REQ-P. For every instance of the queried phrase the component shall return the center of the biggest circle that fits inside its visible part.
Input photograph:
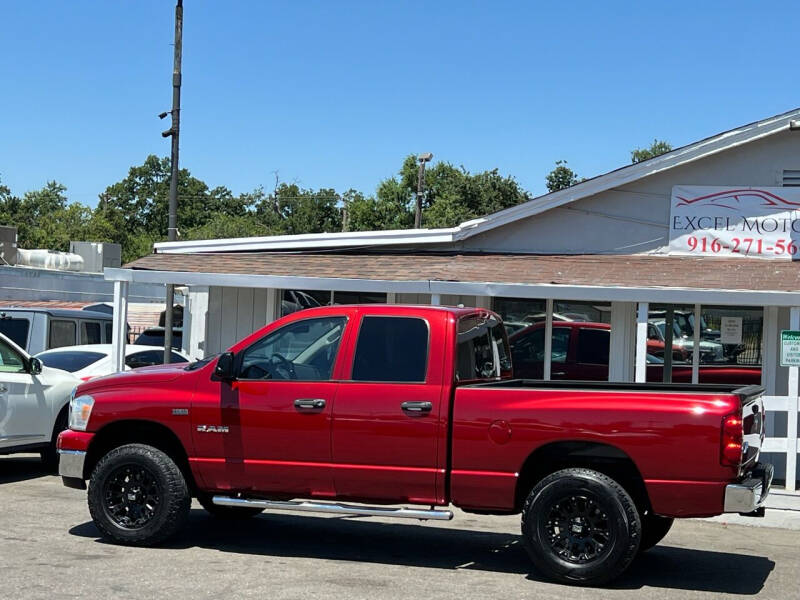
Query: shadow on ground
(363, 540)
(21, 468)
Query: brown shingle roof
(594, 270)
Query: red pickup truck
(384, 405)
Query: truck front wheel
(580, 527)
(138, 496)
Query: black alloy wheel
(138, 495)
(580, 527)
(131, 496)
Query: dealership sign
(735, 221)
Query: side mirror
(35, 366)
(225, 368)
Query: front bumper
(749, 495)
(70, 463)
(72, 449)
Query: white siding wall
(234, 313)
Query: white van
(38, 329)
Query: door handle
(3, 389)
(309, 403)
(417, 407)
(558, 373)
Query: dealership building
(693, 249)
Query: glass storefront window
(294, 300)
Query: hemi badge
(180, 411)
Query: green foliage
(657, 148)
(133, 211)
(561, 177)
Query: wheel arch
(138, 431)
(604, 458)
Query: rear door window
(16, 330)
(391, 349)
(62, 333)
(90, 332)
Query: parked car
(94, 360)
(581, 352)
(425, 413)
(710, 351)
(33, 403)
(39, 329)
(154, 336)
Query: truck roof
(64, 313)
(393, 308)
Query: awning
(641, 278)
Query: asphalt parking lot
(51, 549)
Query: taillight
(732, 439)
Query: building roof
(596, 277)
(420, 237)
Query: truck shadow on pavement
(21, 469)
(432, 546)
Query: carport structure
(242, 291)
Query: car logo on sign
(213, 428)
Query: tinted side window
(16, 330)
(593, 346)
(147, 358)
(391, 349)
(90, 332)
(62, 333)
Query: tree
(389, 209)
(657, 148)
(561, 177)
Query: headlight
(80, 409)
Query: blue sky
(335, 94)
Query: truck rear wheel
(654, 529)
(138, 496)
(580, 527)
(232, 513)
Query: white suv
(33, 403)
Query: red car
(386, 405)
(581, 350)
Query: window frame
(355, 348)
(239, 359)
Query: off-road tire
(615, 510)
(171, 509)
(228, 513)
(654, 529)
(50, 454)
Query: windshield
(71, 360)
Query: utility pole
(423, 158)
(174, 132)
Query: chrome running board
(337, 509)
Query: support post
(436, 299)
(119, 326)
(696, 345)
(641, 342)
(669, 336)
(791, 426)
(622, 344)
(548, 340)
